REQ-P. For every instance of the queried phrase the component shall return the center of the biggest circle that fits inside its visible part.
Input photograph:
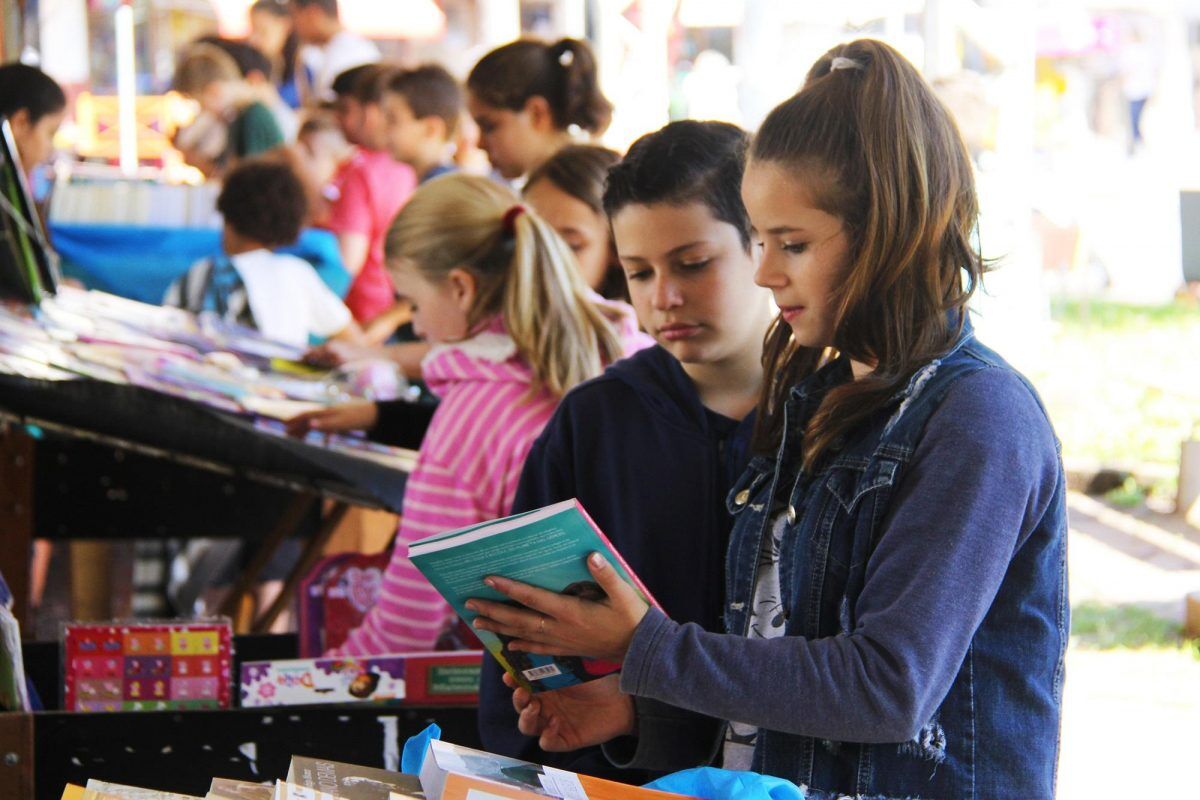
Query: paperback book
(453, 772)
(547, 548)
(351, 781)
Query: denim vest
(996, 732)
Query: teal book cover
(547, 548)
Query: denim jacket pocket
(850, 482)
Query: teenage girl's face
(439, 312)
(805, 250)
(584, 230)
(690, 280)
(515, 141)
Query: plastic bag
(710, 783)
(415, 749)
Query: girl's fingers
(613, 584)
(528, 596)
(504, 615)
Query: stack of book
(135, 203)
(449, 772)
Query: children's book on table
(547, 548)
(453, 772)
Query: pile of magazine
(89, 334)
(448, 772)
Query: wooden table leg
(312, 553)
(16, 756)
(91, 580)
(287, 524)
(16, 518)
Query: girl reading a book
(896, 610)
(512, 327)
(651, 447)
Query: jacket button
(791, 515)
(741, 497)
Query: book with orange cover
(453, 772)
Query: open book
(547, 548)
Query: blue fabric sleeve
(981, 478)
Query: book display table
(184, 750)
(89, 459)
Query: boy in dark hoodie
(652, 446)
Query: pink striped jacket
(466, 473)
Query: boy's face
(373, 132)
(35, 142)
(405, 133)
(306, 22)
(215, 98)
(349, 114)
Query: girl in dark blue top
(679, 411)
(896, 609)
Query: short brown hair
(430, 91)
(204, 64)
(364, 83)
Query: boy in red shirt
(370, 189)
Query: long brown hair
(579, 170)
(884, 156)
(525, 273)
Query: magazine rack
(183, 750)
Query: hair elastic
(509, 221)
(841, 62)
(566, 58)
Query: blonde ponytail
(523, 271)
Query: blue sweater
(652, 466)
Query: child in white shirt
(264, 206)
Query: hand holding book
(550, 623)
(578, 716)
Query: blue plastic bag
(710, 783)
(415, 748)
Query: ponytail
(563, 73)
(549, 311)
(523, 270)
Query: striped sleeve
(466, 474)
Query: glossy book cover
(546, 548)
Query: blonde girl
(512, 327)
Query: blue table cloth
(140, 262)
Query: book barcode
(537, 673)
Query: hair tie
(509, 221)
(566, 58)
(841, 62)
